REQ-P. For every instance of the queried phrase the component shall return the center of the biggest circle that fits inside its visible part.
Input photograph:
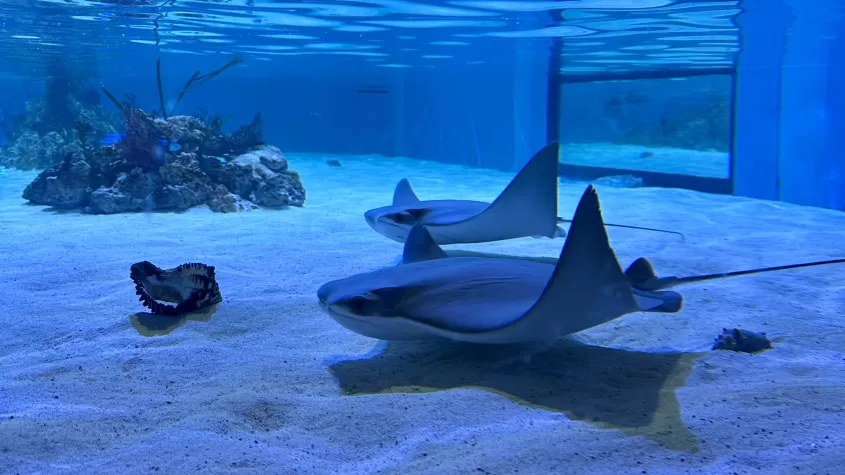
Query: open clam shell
(191, 287)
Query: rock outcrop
(194, 165)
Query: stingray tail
(641, 274)
(626, 226)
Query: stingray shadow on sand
(610, 388)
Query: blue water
(427, 80)
(270, 127)
(605, 36)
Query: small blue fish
(112, 139)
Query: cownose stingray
(527, 207)
(504, 300)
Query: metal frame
(556, 80)
(658, 179)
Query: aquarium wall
(487, 115)
(790, 122)
(490, 116)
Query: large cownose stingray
(499, 300)
(527, 207)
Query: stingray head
(371, 312)
(394, 221)
(339, 297)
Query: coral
(215, 122)
(129, 176)
(142, 142)
(50, 123)
(247, 136)
(83, 133)
(162, 163)
(195, 80)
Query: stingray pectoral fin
(587, 287)
(404, 195)
(527, 207)
(420, 246)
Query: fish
(526, 208)
(502, 300)
(111, 139)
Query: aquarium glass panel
(679, 126)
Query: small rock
(62, 186)
(742, 341)
(222, 201)
(277, 163)
(619, 181)
(249, 177)
(133, 191)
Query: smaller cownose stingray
(191, 287)
(527, 207)
(504, 300)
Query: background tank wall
(485, 115)
(789, 110)
(489, 117)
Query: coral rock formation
(66, 114)
(141, 173)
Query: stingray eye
(409, 216)
(402, 218)
(358, 304)
(365, 304)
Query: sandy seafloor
(703, 163)
(271, 385)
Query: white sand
(271, 385)
(679, 161)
